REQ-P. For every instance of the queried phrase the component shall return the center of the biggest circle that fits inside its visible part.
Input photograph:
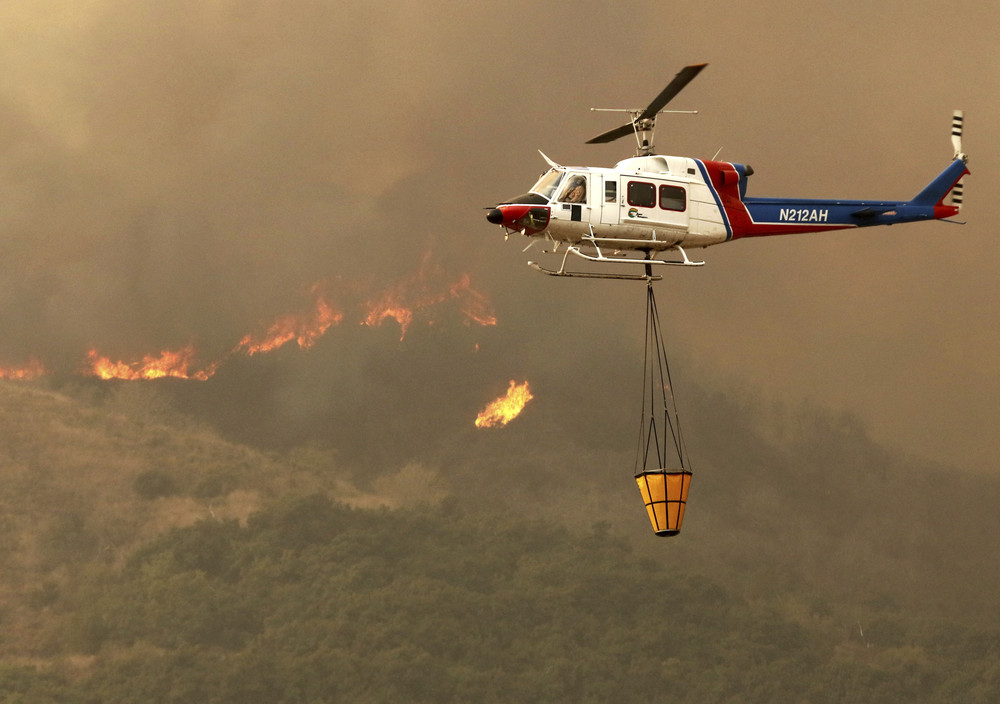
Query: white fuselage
(661, 200)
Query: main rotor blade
(685, 76)
(612, 135)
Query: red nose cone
(529, 219)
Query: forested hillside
(147, 559)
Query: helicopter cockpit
(572, 188)
(530, 213)
(548, 183)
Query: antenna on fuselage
(643, 122)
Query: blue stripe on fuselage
(718, 201)
(804, 211)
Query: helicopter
(650, 209)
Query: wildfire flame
(170, 363)
(32, 370)
(304, 329)
(506, 408)
(475, 306)
(388, 307)
(402, 302)
(421, 291)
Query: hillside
(83, 483)
(146, 558)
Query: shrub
(154, 484)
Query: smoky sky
(179, 172)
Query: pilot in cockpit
(575, 191)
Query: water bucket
(665, 492)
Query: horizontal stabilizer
(870, 212)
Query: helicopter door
(671, 205)
(572, 201)
(650, 202)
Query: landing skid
(593, 274)
(600, 257)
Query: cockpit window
(547, 184)
(575, 190)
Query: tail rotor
(957, 129)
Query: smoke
(191, 168)
(182, 173)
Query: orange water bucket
(665, 492)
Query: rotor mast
(643, 120)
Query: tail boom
(760, 217)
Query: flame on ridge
(402, 302)
(421, 291)
(506, 408)
(27, 372)
(474, 305)
(304, 329)
(388, 307)
(170, 363)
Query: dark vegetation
(146, 560)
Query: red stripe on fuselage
(726, 183)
